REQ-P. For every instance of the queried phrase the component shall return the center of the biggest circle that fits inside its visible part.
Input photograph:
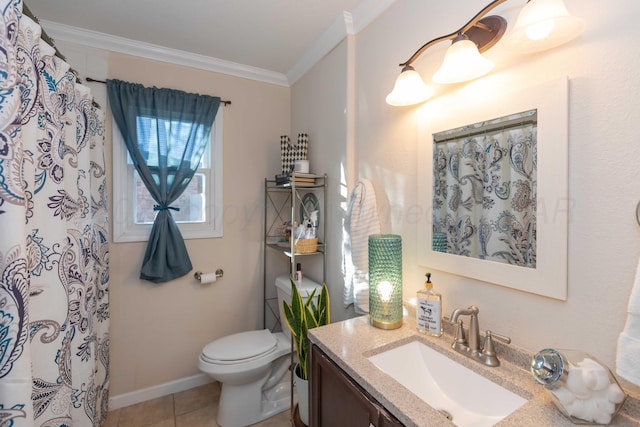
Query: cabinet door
(336, 400)
(388, 420)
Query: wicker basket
(306, 246)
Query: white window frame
(124, 227)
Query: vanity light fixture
(541, 25)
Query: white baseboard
(133, 397)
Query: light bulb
(385, 289)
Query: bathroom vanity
(347, 389)
(339, 400)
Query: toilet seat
(240, 347)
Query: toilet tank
(283, 289)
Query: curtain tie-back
(164, 208)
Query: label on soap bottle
(428, 316)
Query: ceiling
(270, 35)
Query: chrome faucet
(470, 346)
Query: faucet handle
(460, 337)
(488, 348)
(499, 337)
(460, 340)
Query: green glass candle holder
(385, 280)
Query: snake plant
(301, 316)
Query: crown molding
(367, 11)
(150, 51)
(347, 23)
(339, 29)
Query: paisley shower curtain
(54, 308)
(485, 190)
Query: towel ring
(638, 213)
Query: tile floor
(196, 407)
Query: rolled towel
(594, 375)
(576, 384)
(597, 408)
(602, 418)
(603, 406)
(591, 409)
(564, 395)
(615, 393)
(579, 409)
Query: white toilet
(252, 366)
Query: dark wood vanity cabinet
(336, 400)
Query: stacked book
(282, 178)
(296, 178)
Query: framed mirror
(485, 179)
(455, 235)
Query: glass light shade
(462, 63)
(385, 280)
(409, 89)
(541, 25)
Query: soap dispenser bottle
(429, 310)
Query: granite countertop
(349, 343)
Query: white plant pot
(302, 389)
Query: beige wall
(158, 331)
(323, 115)
(604, 121)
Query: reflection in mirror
(551, 192)
(485, 190)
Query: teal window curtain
(166, 132)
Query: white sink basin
(469, 398)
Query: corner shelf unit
(286, 204)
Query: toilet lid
(243, 345)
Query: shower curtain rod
(90, 79)
(44, 36)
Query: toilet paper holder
(198, 274)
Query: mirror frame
(549, 278)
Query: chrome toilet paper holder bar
(198, 274)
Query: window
(200, 214)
